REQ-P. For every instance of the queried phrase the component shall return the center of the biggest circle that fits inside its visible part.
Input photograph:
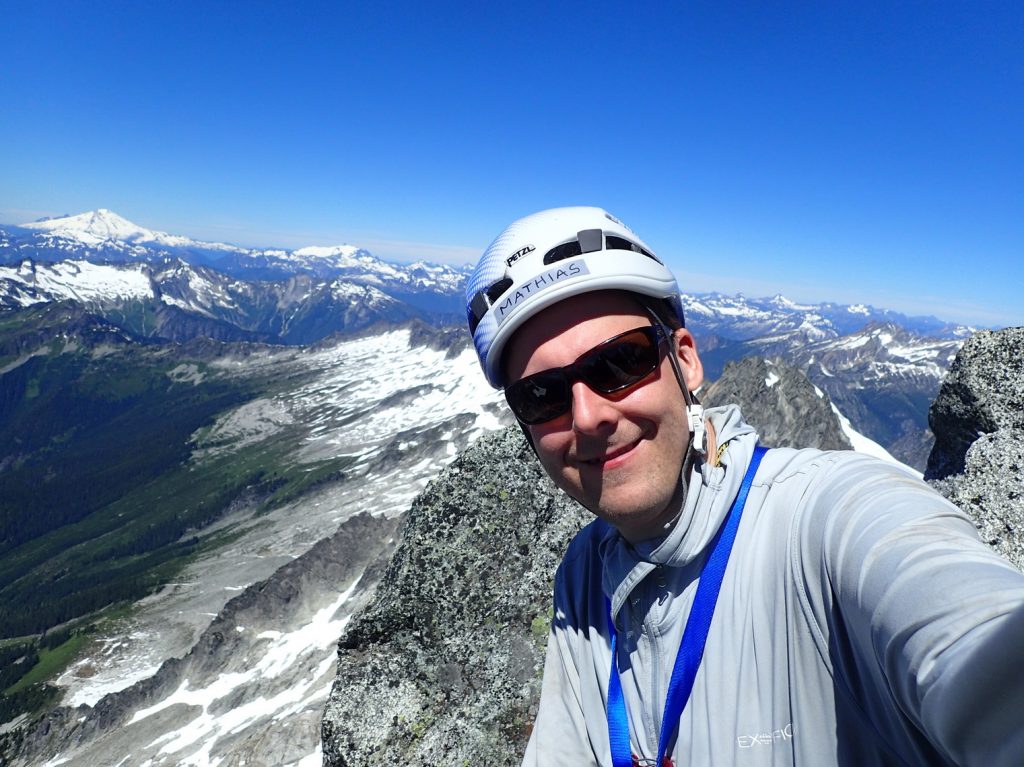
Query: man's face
(619, 454)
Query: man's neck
(677, 500)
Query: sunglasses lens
(621, 363)
(539, 397)
(615, 364)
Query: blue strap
(691, 648)
(618, 725)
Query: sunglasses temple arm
(529, 437)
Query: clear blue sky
(851, 151)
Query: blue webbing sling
(691, 648)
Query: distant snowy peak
(883, 350)
(341, 258)
(782, 302)
(334, 251)
(97, 227)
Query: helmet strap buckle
(699, 438)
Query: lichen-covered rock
(778, 400)
(991, 490)
(444, 665)
(982, 393)
(978, 420)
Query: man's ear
(685, 347)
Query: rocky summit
(444, 665)
(978, 420)
(777, 399)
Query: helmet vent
(590, 240)
(562, 252)
(621, 243)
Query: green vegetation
(50, 663)
(31, 700)
(100, 501)
(539, 627)
(27, 665)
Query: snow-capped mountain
(883, 378)
(879, 351)
(740, 318)
(104, 228)
(173, 300)
(102, 236)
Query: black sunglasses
(612, 365)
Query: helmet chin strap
(694, 413)
(694, 410)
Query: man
(809, 608)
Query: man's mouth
(613, 457)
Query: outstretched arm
(927, 624)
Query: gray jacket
(861, 622)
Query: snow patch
(279, 655)
(79, 281)
(868, 446)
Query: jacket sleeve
(925, 622)
(559, 734)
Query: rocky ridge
(229, 696)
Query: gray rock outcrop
(978, 420)
(444, 665)
(778, 400)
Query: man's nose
(592, 412)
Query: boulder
(983, 393)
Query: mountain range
(179, 421)
(880, 367)
(103, 237)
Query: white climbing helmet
(550, 256)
